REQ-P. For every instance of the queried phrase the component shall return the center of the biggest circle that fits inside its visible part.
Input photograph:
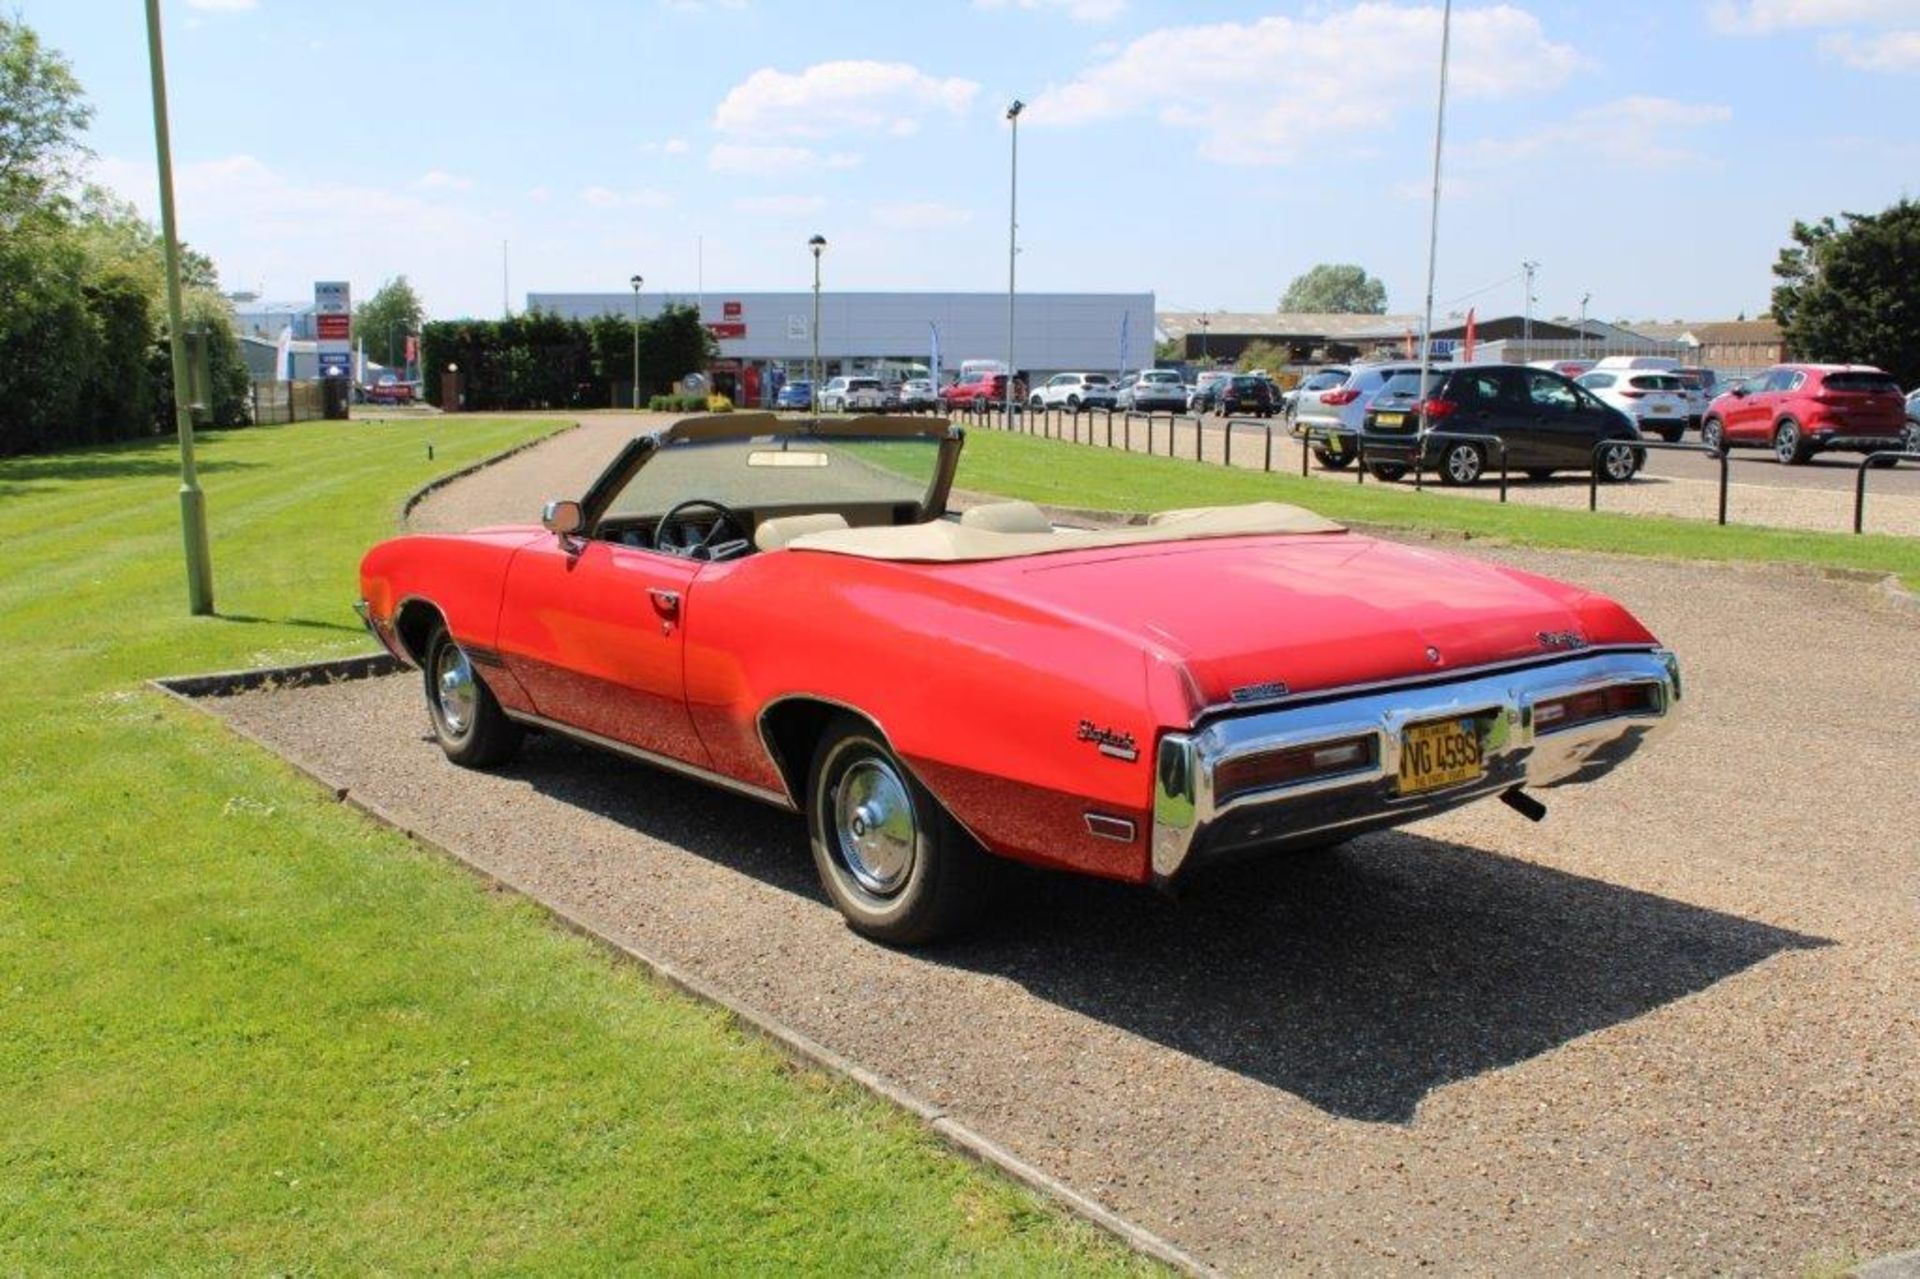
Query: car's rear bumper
(1193, 825)
(1833, 437)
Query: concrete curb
(1902, 1265)
(191, 690)
(434, 485)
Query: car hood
(1316, 613)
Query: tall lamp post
(1433, 214)
(193, 503)
(1013, 234)
(636, 282)
(1205, 322)
(1584, 299)
(818, 244)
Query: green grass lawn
(1102, 479)
(243, 1029)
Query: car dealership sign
(333, 327)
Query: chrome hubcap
(457, 694)
(1785, 442)
(1464, 464)
(1619, 463)
(873, 821)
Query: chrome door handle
(665, 603)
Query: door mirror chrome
(1739, 392)
(562, 517)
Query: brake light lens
(1345, 395)
(1633, 395)
(1292, 767)
(1437, 409)
(1561, 713)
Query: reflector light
(1592, 706)
(1291, 767)
(1346, 395)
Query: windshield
(1874, 382)
(1160, 375)
(1409, 383)
(767, 473)
(1655, 382)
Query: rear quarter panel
(460, 576)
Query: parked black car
(1547, 423)
(1241, 395)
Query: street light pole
(1584, 299)
(193, 504)
(636, 282)
(1526, 323)
(1013, 233)
(1433, 218)
(818, 243)
(1205, 322)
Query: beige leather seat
(773, 534)
(1007, 517)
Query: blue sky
(1652, 153)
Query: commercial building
(767, 338)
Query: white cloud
(1761, 16)
(222, 6)
(767, 161)
(923, 215)
(600, 197)
(1893, 51)
(1262, 92)
(441, 180)
(839, 97)
(672, 146)
(1078, 10)
(1635, 130)
(539, 195)
(780, 205)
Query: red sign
(730, 309)
(332, 328)
(728, 329)
(413, 347)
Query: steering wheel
(703, 548)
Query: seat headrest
(1007, 517)
(773, 534)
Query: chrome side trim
(1105, 826)
(672, 765)
(1188, 817)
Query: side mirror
(562, 517)
(1740, 391)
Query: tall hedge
(541, 361)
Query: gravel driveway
(1673, 1029)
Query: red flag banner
(1470, 335)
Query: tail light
(1345, 395)
(1291, 767)
(1437, 409)
(1633, 395)
(1561, 713)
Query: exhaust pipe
(1524, 804)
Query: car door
(592, 629)
(1558, 431)
(1751, 417)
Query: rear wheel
(1386, 472)
(1461, 463)
(467, 721)
(890, 858)
(1713, 434)
(1789, 443)
(1618, 463)
(1910, 438)
(1333, 461)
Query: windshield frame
(723, 427)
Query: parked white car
(1073, 391)
(852, 393)
(1343, 408)
(917, 393)
(1655, 400)
(1153, 389)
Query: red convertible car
(787, 609)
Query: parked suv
(1342, 408)
(1244, 395)
(1200, 398)
(1073, 391)
(974, 389)
(1802, 409)
(844, 393)
(1153, 389)
(1655, 400)
(1315, 382)
(1547, 422)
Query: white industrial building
(766, 338)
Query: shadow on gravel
(1359, 979)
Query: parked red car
(979, 388)
(1798, 410)
(785, 609)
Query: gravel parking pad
(1673, 1029)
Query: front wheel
(890, 858)
(1461, 463)
(1333, 461)
(1036, 403)
(1618, 463)
(1713, 435)
(1910, 438)
(467, 722)
(1386, 472)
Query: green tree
(1849, 290)
(1270, 356)
(43, 113)
(1336, 288)
(384, 320)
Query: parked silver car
(1320, 416)
(1312, 384)
(1153, 390)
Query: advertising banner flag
(933, 361)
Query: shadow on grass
(246, 619)
(1358, 980)
(20, 476)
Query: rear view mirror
(562, 517)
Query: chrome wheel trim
(874, 829)
(1711, 434)
(1463, 463)
(1786, 441)
(456, 694)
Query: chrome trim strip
(672, 765)
(1105, 826)
(1186, 808)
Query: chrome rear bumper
(1190, 824)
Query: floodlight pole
(636, 282)
(193, 504)
(818, 244)
(1433, 221)
(1013, 233)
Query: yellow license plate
(1442, 753)
(1390, 419)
